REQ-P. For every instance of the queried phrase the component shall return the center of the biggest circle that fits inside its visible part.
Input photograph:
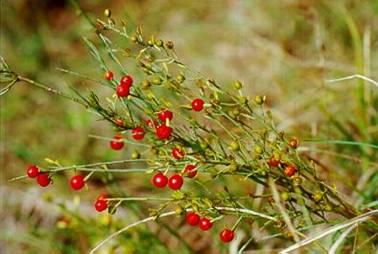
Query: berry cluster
(193, 219)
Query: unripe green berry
(238, 85)
(107, 13)
(328, 207)
(135, 155)
(180, 78)
(317, 196)
(259, 99)
(236, 112)
(234, 146)
(159, 43)
(134, 39)
(243, 100)
(258, 149)
(285, 196)
(156, 81)
(146, 84)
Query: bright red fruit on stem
(123, 90)
(197, 104)
(137, 133)
(127, 81)
(273, 162)
(175, 182)
(77, 182)
(163, 131)
(159, 180)
(32, 171)
(226, 235)
(205, 224)
(43, 179)
(178, 153)
(192, 218)
(290, 170)
(117, 143)
(165, 114)
(119, 122)
(101, 204)
(190, 171)
(109, 75)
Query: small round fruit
(192, 218)
(32, 171)
(175, 182)
(197, 104)
(43, 179)
(159, 180)
(165, 114)
(273, 162)
(294, 142)
(190, 171)
(101, 205)
(290, 170)
(178, 153)
(163, 131)
(123, 90)
(138, 133)
(77, 182)
(109, 75)
(226, 235)
(205, 224)
(117, 143)
(126, 81)
(119, 122)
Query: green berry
(285, 196)
(107, 13)
(238, 85)
(259, 100)
(234, 146)
(258, 149)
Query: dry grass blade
(353, 77)
(330, 230)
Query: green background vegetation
(285, 50)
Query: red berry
(123, 90)
(127, 81)
(163, 131)
(159, 180)
(43, 179)
(101, 204)
(290, 170)
(77, 182)
(117, 143)
(165, 114)
(197, 104)
(109, 75)
(175, 182)
(119, 122)
(273, 162)
(32, 171)
(227, 235)
(137, 133)
(205, 224)
(190, 171)
(150, 123)
(192, 218)
(178, 153)
(102, 196)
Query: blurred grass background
(283, 49)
